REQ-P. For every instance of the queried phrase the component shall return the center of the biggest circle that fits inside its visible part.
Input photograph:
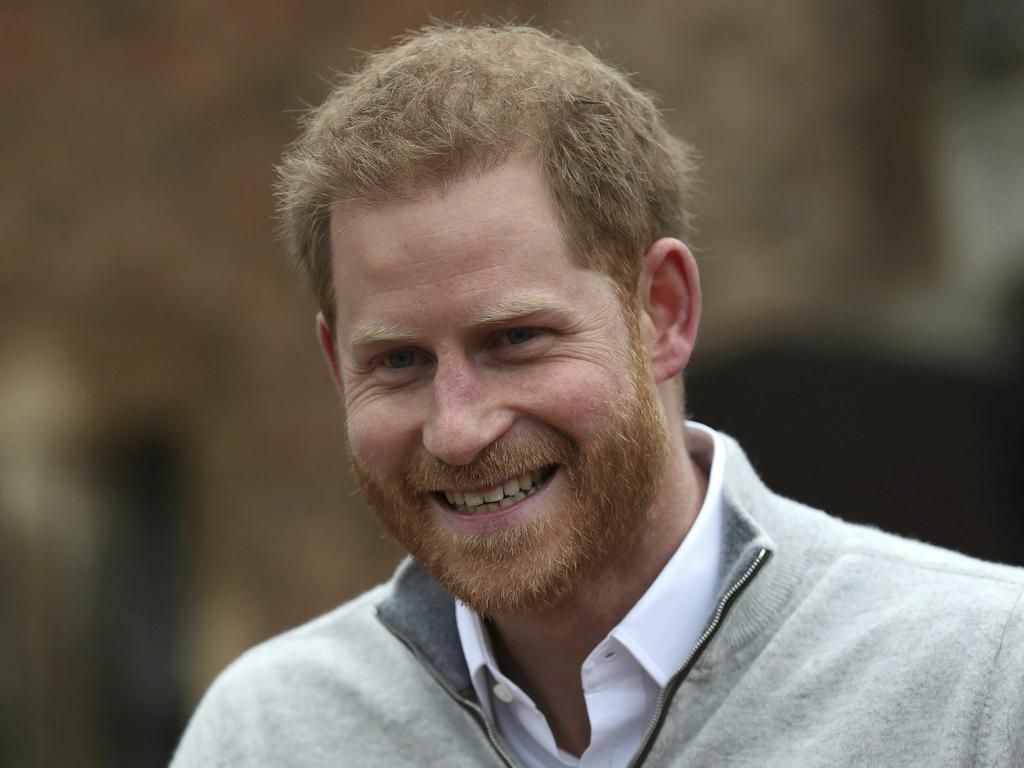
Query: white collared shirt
(625, 674)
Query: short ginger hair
(449, 100)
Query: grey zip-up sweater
(833, 645)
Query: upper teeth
(503, 495)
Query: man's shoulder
(327, 650)
(877, 649)
(921, 565)
(822, 552)
(899, 614)
(349, 631)
(893, 569)
(338, 680)
(816, 539)
(917, 650)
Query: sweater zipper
(466, 704)
(666, 697)
(677, 679)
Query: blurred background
(173, 482)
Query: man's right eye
(400, 359)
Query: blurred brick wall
(137, 146)
(809, 117)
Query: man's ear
(330, 349)
(669, 296)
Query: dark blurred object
(141, 699)
(993, 36)
(854, 432)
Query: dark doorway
(139, 606)
(912, 448)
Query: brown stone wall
(136, 146)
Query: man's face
(502, 420)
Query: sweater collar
(420, 612)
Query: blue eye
(519, 335)
(400, 359)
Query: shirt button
(504, 693)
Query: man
(488, 219)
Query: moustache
(496, 463)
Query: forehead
(491, 235)
(480, 211)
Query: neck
(543, 652)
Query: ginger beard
(608, 486)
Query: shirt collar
(665, 624)
(476, 646)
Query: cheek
(577, 401)
(378, 436)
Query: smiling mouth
(506, 494)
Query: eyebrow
(506, 310)
(502, 311)
(372, 334)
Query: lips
(499, 496)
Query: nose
(464, 417)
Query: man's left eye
(519, 335)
